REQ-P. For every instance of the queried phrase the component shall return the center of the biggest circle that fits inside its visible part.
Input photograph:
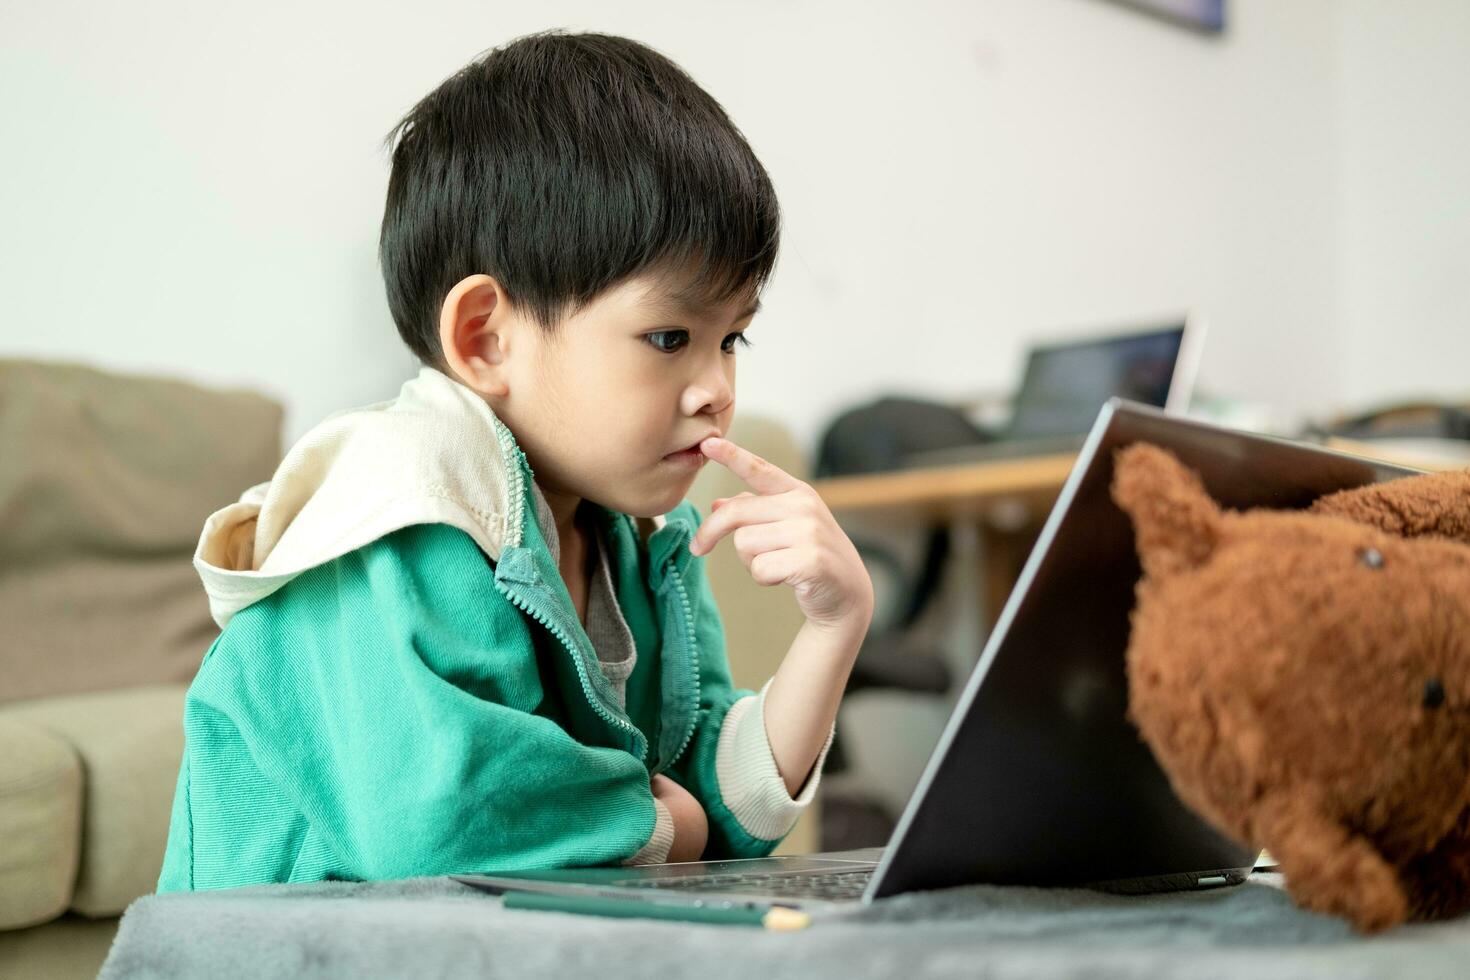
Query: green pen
(770, 917)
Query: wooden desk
(948, 491)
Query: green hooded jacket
(402, 685)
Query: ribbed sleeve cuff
(750, 783)
(656, 851)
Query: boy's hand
(691, 825)
(785, 534)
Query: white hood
(434, 454)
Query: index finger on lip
(761, 475)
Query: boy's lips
(690, 453)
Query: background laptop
(1065, 383)
(1038, 777)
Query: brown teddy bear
(1304, 679)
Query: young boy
(457, 635)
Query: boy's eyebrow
(665, 307)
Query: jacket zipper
(587, 691)
(514, 458)
(693, 660)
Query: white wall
(197, 189)
(1404, 199)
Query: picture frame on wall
(1203, 16)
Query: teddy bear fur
(1303, 677)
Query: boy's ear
(474, 333)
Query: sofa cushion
(105, 482)
(130, 743)
(40, 823)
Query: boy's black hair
(562, 165)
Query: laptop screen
(1066, 384)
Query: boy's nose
(710, 395)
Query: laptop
(1038, 778)
(1064, 383)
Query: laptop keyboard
(836, 885)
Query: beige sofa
(105, 480)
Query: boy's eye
(735, 338)
(668, 341)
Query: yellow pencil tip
(783, 919)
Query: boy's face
(604, 408)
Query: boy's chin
(653, 510)
(657, 505)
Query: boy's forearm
(802, 700)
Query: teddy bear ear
(1175, 522)
(1411, 506)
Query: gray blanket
(435, 927)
